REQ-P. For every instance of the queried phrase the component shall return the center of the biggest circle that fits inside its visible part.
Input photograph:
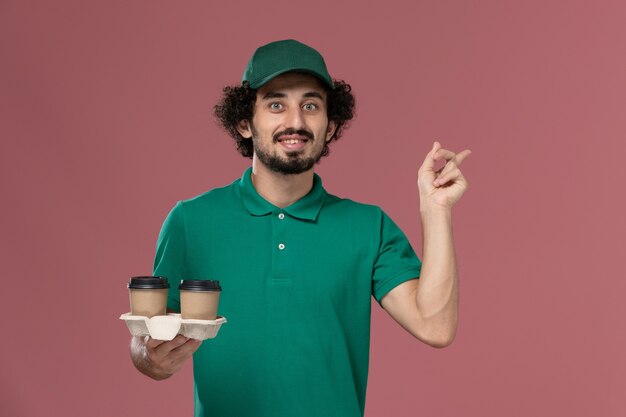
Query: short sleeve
(396, 261)
(170, 259)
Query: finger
(152, 343)
(166, 347)
(429, 161)
(454, 175)
(445, 170)
(187, 349)
(446, 154)
(462, 155)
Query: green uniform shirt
(296, 287)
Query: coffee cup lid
(199, 285)
(148, 283)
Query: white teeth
(292, 141)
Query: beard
(294, 163)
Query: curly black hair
(237, 104)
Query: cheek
(319, 125)
(266, 123)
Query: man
(297, 265)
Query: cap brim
(261, 82)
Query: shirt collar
(306, 208)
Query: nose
(295, 119)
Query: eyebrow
(314, 94)
(274, 94)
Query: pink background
(105, 122)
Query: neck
(279, 189)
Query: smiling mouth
(293, 141)
(293, 144)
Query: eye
(276, 106)
(310, 106)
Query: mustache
(300, 132)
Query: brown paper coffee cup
(199, 299)
(148, 296)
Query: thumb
(429, 161)
(436, 147)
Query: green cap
(278, 57)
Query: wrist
(435, 210)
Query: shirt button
(281, 216)
(281, 246)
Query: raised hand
(444, 187)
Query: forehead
(295, 82)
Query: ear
(243, 127)
(330, 131)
